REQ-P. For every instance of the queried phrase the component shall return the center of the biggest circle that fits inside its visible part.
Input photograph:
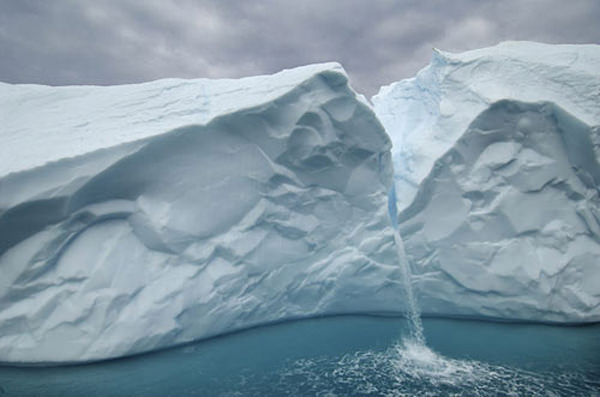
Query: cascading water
(412, 310)
(411, 359)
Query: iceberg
(137, 217)
(496, 159)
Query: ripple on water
(412, 369)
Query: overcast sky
(378, 41)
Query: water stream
(412, 308)
(413, 313)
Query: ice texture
(137, 217)
(496, 157)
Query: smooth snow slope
(496, 157)
(141, 216)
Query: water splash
(412, 369)
(413, 312)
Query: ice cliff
(496, 157)
(137, 217)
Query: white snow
(496, 157)
(74, 120)
(142, 216)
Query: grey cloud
(378, 41)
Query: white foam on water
(412, 369)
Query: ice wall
(137, 217)
(496, 170)
(141, 216)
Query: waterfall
(412, 308)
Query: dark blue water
(343, 356)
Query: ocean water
(343, 356)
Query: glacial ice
(137, 217)
(496, 161)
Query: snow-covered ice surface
(496, 157)
(137, 217)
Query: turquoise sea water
(339, 356)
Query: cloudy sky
(378, 41)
